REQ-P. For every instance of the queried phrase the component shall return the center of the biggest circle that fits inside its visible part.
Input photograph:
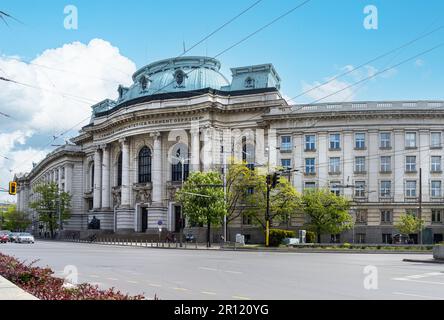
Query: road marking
(94, 276)
(417, 295)
(180, 289)
(240, 298)
(112, 279)
(131, 281)
(154, 285)
(209, 269)
(208, 292)
(420, 276)
(234, 272)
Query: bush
(277, 235)
(310, 237)
(40, 283)
(346, 245)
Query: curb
(433, 261)
(9, 291)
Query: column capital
(104, 146)
(155, 135)
(123, 140)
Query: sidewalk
(9, 291)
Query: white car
(25, 237)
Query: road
(202, 274)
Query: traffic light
(275, 180)
(268, 179)
(12, 188)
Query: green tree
(51, 205)
(202, 199)
(409, 223)
(16, 220)
(284, 202)
(327, 212)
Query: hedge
(277, 235)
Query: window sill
(436, 171)
(335, 173)
(334, 149)
(360, 172)
(310, 174)
(436, 148)
(412, 171)
(411, 148)
(386, 172)
(286, 150)
(385, 148)
(360, 149)
(309, 150)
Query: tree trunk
(319, 235)
(208, 234)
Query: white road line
(209, 269)
(180, 289)
(208, 292)
(94, 276)
(240, 298)
(131, 281)
(154, 285)
(112, 279)
(417, 295)
(233, 272)
(419, 281)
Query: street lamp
(182, 162)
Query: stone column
(298, 161)
(157, 168)
(373, 166)
(60, 177)
(424, 162)
(399, 165)
(259, 147)
(68, 178)
(125, 188)
(348, 163)
(195, 148)
(208, 149)
(322, 162)
(105, 177)
(97, 180)
(272, 145)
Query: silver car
(25, 237)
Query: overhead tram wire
(407, 44)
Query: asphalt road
(201, 274)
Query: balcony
(310, 150)
(439, 199)
(411, 199)
(386, 199)
(334, 173)
(360, 199)
(385, 172)
(360, 172)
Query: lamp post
(182, 162)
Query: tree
(16, 220)
(51, 205)
(327, 212)
(239, 180)
(202, 200)
(409, 224)
(284, 202)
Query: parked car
(190, 238)
(13, 236)
(4, 238)
(25, 237)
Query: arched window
(176, 168)
(145, 165)
(119, 170)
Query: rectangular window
(386, 238)
(410, 164)
(334, 188)
(360, 189)
(386, 164)
(386, 216)
(385, 140)
(335, 141)
(309, 185)
(435, 187)
(435, 140)
(436, 216)
(286, 143)
(410, 139)
(310, 142)
(410, 188)
(411, 212)
(361, 216)
(436, 164)
(385, 189)
(360, 164)
(246, 219)
(360, 141)
(310, 166)
(335, 165)
(286, 163)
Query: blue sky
(312, 44)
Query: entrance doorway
(144, 213)
(177, 218)
(437, 238)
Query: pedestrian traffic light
(275, 180)
(12, 188)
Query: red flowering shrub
(40, 283)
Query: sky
(64, 71)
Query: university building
(182, 115)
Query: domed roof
(175, 75)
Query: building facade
(182, 115)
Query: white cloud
(91, 73)
(329, 91)
(419, 63)
(69, 79)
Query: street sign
(159, 223)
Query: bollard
(177, 244)
(146, 243)
(195, 243)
